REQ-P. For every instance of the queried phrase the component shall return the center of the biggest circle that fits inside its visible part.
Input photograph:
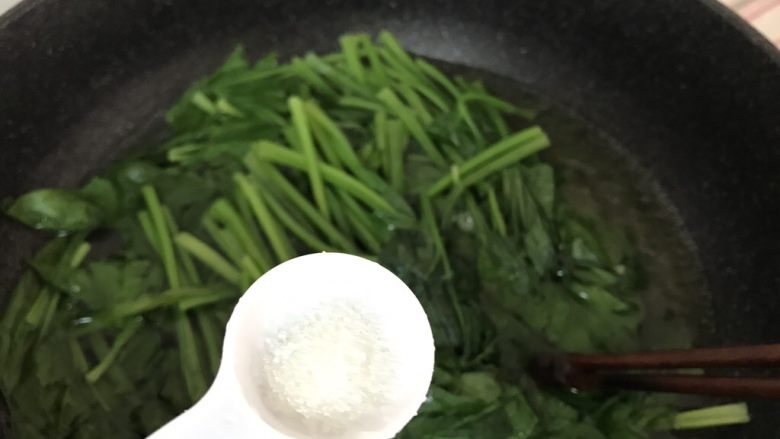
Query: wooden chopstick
(637, 371)
(751, 388)
(741, 356)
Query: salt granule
(328, 368)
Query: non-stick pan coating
(689, 90)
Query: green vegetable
(58, 210)
(116, 326)
(728, 414)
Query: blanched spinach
(367, 151)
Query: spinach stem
(250, 268)
(51, 309)
(428, 219)
(37, 310)
(163, 235)
(336, 76)
(361, 103)
(304, 71)
(397, 140)
(268, 223)
(78, 355)
(189, 358)
(350, 49)
(228, 243)
(414, 101)
(465, 114)
(145, 220)
(434, 73)
(79, 254)
(338, 141)
(151, 302)
(303, 133)
(187, 263)
(412, 124)
(222, 210)
(495, 212)
(211, 339)
(205, 254)
(108, 360)
(341, 180)
(498, 156)
(718, 416)
(296, 199)
(495, 103)
(361, 222)
(506, 160)
(303, 232)
(380, 139)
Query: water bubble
(464, 221)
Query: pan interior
(673, 86)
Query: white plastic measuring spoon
(382, 333)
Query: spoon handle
(218, 414)
(196, 423)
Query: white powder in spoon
(328, 369)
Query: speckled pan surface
(689, 90)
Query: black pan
(686, 87)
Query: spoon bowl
(326, 345)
